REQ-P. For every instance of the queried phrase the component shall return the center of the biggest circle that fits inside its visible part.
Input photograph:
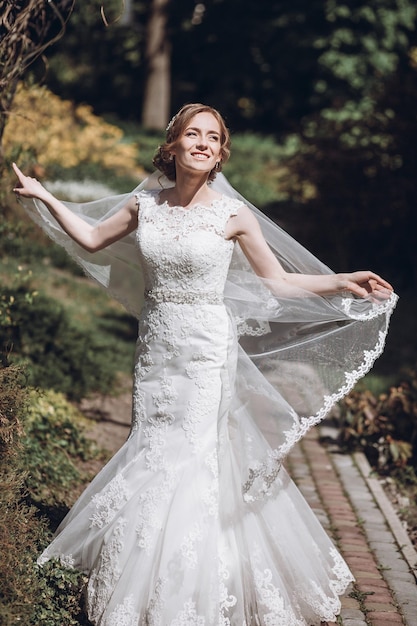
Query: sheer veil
(298, 353)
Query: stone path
(353, 508)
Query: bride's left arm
(245, 229)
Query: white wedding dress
(164, 531)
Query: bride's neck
(189, 190)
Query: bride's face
(198, 147)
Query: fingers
(27, 186)
(21, 177)
(369, 281)
(369, 285)
(357, 289)
(380, 280)
(18, 172)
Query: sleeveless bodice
(184, 254)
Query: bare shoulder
(242, 223)
(127, 214)
(132, 205)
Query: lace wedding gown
(164, 531)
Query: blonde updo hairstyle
(163, 160)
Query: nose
(202, 143)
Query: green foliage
(19, 240)
(231, 53)
(384, 426)
(29, 595)
(18, 295)
(146, 140)
(59, 355)
(54, 445)
(59, 598)
(98, 63)
(255, 166)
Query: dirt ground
(110, 416)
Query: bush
(25, 593)
(54, 445)
(46, 130)
(384, 426)
(59, 597)
(17, 241)
(58, 355)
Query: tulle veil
(298, 353)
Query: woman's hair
(163, 160)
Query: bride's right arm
(91, 238)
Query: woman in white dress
(195, 521)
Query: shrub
(35, 431)
(47, 130)
(384, 426)
(59, 597)
(58, 355)
(25, 593)
(53, 445)
(19, 240)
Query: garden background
(320, 96)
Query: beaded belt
(183, 297)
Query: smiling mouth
(200, 156)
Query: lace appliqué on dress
(276, 611)
(188, 616)
(109, 502)
(124, 614)
(104, 577)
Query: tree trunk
(127, 16)
(157, 92)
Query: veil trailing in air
(298, 353)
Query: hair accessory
(171, 123)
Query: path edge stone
(404, 542)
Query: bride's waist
(158, 296)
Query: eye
(190, 133)
(215, 137)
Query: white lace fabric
(194, 521)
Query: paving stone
(400, 577)
(378, 525)
(379, 546)
(387, 607)
(382, 595)
(376, 583)
(382, 536)
(390, 618)
(387, 621)
(349, 603)
(357, 549)
(352, 614)
(394, 563)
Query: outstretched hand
(27, 187)
(365, 283)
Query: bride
(245, 342)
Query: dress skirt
(164, 532)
